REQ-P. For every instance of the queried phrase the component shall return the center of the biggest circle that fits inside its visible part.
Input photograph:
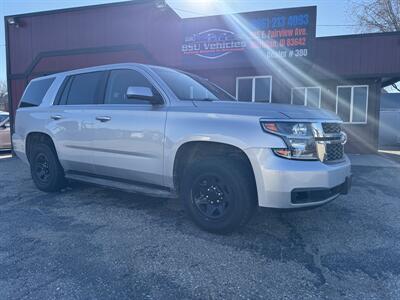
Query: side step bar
(128, 187)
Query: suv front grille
(331, 127)
(330, 140)
(334, 152)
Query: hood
(265, 110)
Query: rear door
(73, 118)
(129, 139)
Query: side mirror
(143, 93)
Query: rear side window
(87, 88)
(35, 92)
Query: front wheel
(219, 194)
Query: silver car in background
(5, 138)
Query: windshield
(191, 87)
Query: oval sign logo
(213, 43)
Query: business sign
(286, 34)
(213, 43)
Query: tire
(46, 171)
(212, 177)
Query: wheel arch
(194, 150)
(38, 137)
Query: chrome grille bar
(329, 142)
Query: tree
(3, 95)
(378, 16)
(3, 88)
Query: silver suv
(168, 133)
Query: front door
(129, 139)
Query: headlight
(298, 137)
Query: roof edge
(356, 35)
(254, 11)
(78, 8)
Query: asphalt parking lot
(88, 242)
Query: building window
(254, 89)
(308, 96)
(352, 103)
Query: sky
(333, 16)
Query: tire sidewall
(55, 171)
(241, 199)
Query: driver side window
(118, 84)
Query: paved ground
(88, 242)
(383, 160)
(392, 153)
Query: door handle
(103, 118)
(56, 117)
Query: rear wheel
(46, 171)
(218, 194)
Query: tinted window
(118, 84)
(35, 92)
(262, 89)
(313, 97)
(360, 104)
(343, 103)
(61, 98)
(245, 89)
(190, 87)
(87, 88)
(298, 96)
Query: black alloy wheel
(218, 194)
(212, 196)
(42, 169)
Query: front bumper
(284, 183)
(314, 195)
